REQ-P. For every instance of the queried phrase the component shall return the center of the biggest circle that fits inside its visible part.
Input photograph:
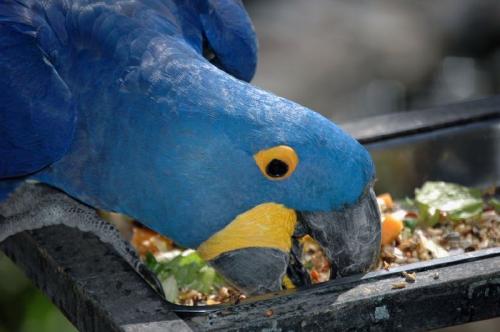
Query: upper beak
(350, 237)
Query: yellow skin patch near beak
(267, 225)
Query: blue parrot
(143, 107)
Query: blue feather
(37, 114)
(162, 134)
(7, 186)
(226, 26)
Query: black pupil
(276, 168)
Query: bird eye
(277, 163)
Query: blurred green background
(23, 308)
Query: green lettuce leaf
(457, 201)
(495, 203)
(189, 271)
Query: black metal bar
(382, 127)
(453, 294)
(99, 292)
(89, 282)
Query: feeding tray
(98, 291)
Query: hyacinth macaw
(143, 107)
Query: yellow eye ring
(277, 163)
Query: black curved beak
(350, 237)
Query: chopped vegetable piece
(190, 281)
(314, 275)
(436, 250)
(495, 203)
(189, 271)
(408, 203)
(391, 228)
(314, 260)
(147, 241)
(387, 200)
(170, 289)
(456, 201)
(411, 223)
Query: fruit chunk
(386, 200)
(391, 228)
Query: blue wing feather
(231, 35)
(37, 114)
(162, 135)
(37, 117)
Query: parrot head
(219, 165)
(256, 173)
(179, 141)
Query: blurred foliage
(24, 308)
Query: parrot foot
(33, 206)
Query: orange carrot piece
(314, 275)
(387, 199)
(391, 227)
(145, 240)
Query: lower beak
(350, 237)
(253, 270)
